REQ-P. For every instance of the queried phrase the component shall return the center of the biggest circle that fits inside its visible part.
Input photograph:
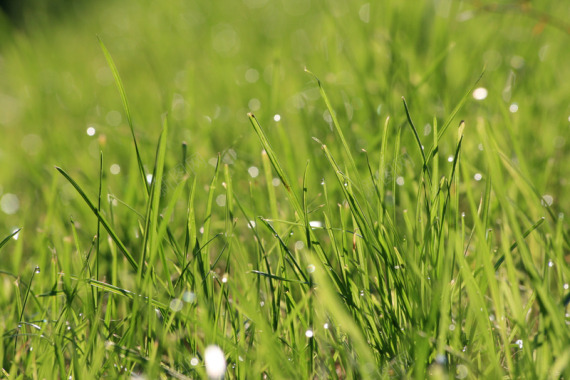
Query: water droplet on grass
(517, 62)
(275, 182)
(400, 181)
(113, 118)
(519, 343)
(461, 371)
(299, 245)
(309, 333)
(215, 362)
(115, 169)
(254, 104)
(37, 270)
(91, 131)
(550, 264)
(310, 268)
(450, 159)
(441, 359)
(547, 200)
(194, 361)
(189, 297)
(477, 177)
(277, 117)
(364, 13)
(252, 75)
(513, 107)
(253, 171)
(326, 326)
(176, 304)
(10, 203)
(480, 93)
(221, 200)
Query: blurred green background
(207, 64)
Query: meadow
(321, 189)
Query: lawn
(286, 189)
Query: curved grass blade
(123, 94)
(101, 218)
(335, 122)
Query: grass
(367, 218)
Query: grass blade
(101, 219)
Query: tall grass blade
(126, 107)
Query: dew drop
(277, 117)
(316, 223)
(480, 93)
(254, 104)
(91, 131)
(189, 297)
(253, 171)
(251, 75)
(477, 177)
(176, 304)
(513, 107)
(547, 200)
(461, 371)
(221, 200)
(9, 203)
(115, 169)
(309, 333)
(310, 268)
(37, 270)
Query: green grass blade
(126, 107)
(101, 219)
(7, 238)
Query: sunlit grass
(389, 213)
